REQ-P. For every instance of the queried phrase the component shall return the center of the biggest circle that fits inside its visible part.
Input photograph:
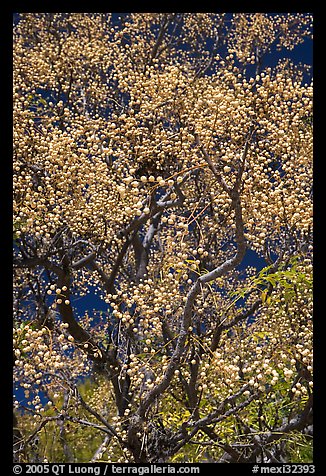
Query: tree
(154, 154)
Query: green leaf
(263, 295)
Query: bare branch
(39, 428)
(84, 261)
(188, 309)
(100, 418)
(37, 261)
(217, 174)
(99, 450)
(215, 417)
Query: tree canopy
(163, 174)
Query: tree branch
(215, 417)
(207, 158)
(160, 37)
(37, 261)
(84, 261)
(100, 418)
(191, 297)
